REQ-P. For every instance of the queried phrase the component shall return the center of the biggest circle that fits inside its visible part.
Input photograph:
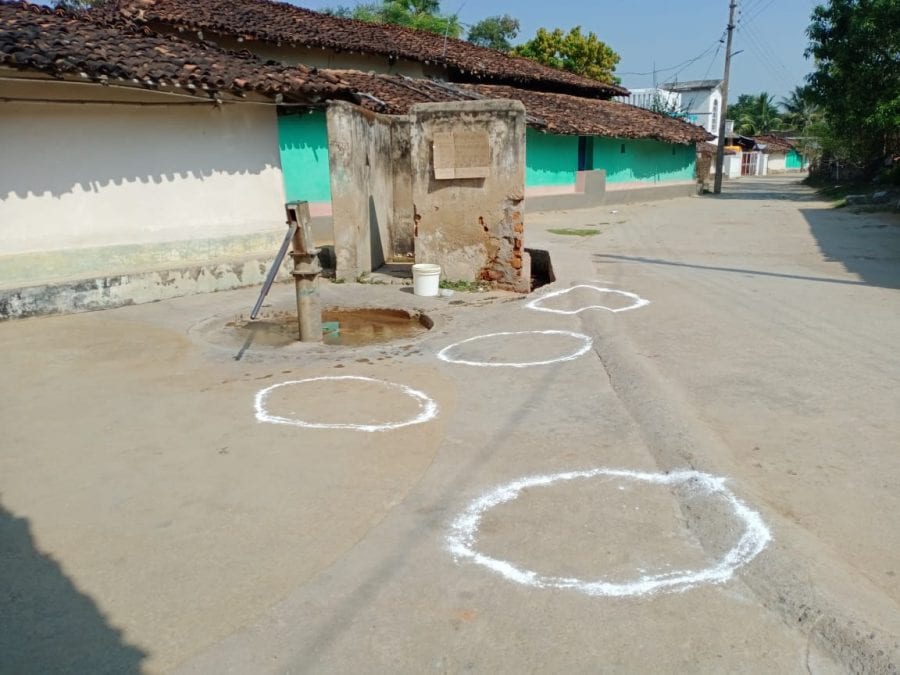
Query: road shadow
(866, 244)
(751, 188)
(609, 257)
(46, 624)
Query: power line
(705, 75)
(767, 49)
(682, 65)
(766, 56)
(748, 7)
(759, 11)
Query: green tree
(77, 5)
(856, 81)
(754, 115)
(340, 11)
(494, 32)
(581, 54)
(666, 106)
(418, 14)
(800, 111)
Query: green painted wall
(303, 141)
(793, 160)
(645, 161)
(550, 159)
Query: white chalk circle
(636, 300)
(427, 408)
(463, 534)
(586, 343)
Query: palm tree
(800, 111)
(756, 114)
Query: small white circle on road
(537, 303)
(446, 354)
(427, 407)
(462, 539)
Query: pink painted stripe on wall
(636, 185)
(545, 190)
(319, 209)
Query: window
(715, 117)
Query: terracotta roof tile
(573, 115)
(59, 43)
(282, 23)
(556, 113)
(396, 94)
(774, 143)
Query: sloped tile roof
(555, 113)
(573, 115)
(396, 94)
(774, 143)
(59, 43)
(282, 23)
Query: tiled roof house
(117, 142)
(395, 67)
(782, 154)
(172, 105)
(64, 45)
(292, 34)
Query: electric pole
(720, 151)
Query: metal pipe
(306, 273)
(273, 271)
(309, 309)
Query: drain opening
(541, 267)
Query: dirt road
(708, 483)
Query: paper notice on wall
(462, 154)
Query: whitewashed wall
(777, 163)
(99, 175)
(702, 104)
(731, 165)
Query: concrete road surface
(706, 483)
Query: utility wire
(786, 75)
(761, 9)
(682, 65)
(705, 75)
(766, 57)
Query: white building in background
(701, 100)
(697, 101)
(652, 98)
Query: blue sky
(772, 34)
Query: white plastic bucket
(426, 278)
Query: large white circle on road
(462, 540)
(584, 345)
(427, 408)
(537, 303)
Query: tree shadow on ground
(865, 244)
(46, 624)
(760, 189)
